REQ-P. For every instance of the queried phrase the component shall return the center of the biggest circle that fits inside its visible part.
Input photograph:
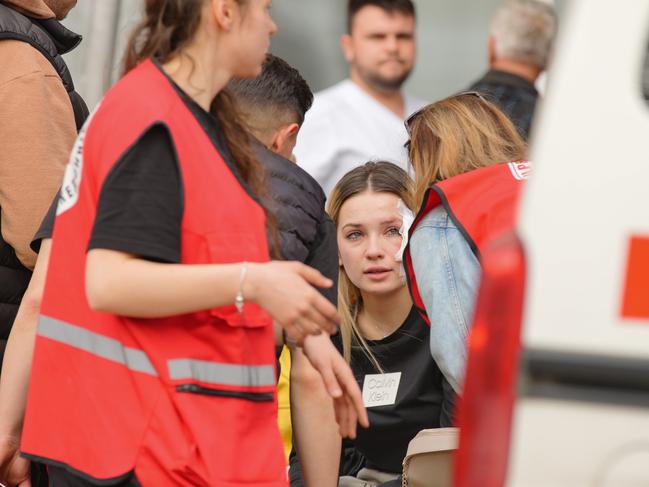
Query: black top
(140, 204)
(514, 95)
(424, 398)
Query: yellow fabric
(284, 401)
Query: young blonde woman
(469, 164)
(153, 361)
(382, 336)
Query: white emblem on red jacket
(520, 169)
(69, 193)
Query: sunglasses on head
(415, 115)
(474, 93)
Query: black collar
(504, 77)
(64, 39)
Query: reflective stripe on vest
(137, 360)
(225, 374)
(95, 344)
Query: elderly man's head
(523, 31)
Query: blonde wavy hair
(379, 177)
(456, 135)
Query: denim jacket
(448, 275)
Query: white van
(573, 385)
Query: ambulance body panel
(582, 413)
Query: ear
(223, 12)
(491, 49)
(347, 47)
(284, 139)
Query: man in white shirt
(361, 118)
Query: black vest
(51, 39)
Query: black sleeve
(323, 256)
(295, 476)
(141, 201)
(47, 226)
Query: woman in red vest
(466, 188)
(154, 355)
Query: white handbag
(429, 460)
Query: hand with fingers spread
(339, 382)
(14, 470)
(286, 291)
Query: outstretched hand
(339, 382)
(286, 291)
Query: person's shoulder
(20, 59)
(475, 85)
(142, 95)
(335, 91)
(331, 108)
(320, 121)
(437, 217)
(284, 173)
(330, 98)
(414, 322)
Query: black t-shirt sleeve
(47, 226)
(141, 201)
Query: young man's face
(381, 47)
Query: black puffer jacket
(306, 232)
(51, 39)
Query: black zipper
(248, 396)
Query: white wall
(452, 36)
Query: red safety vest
(181, 401)
(482, 203)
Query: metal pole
(101, 49)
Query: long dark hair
(167, 27)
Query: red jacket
(483, 205)
(185, 400)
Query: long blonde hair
(379, 177)
(456, 135)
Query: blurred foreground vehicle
(557, 384)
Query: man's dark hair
(279, 88)
(406, 7)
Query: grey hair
(524, 30)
